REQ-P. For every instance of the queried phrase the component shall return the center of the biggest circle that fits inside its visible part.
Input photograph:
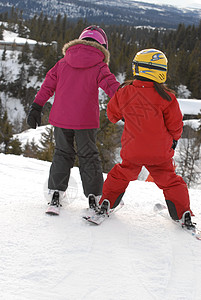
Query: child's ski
(53, 210)
(97, 218)
(162, 210)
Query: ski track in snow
(136, 254)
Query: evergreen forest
(181, 46)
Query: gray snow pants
(64, 157)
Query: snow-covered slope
(190, 106)
(135, 254)
(109, 11)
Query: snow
(193, 123)
(179, 3)
(10, 69)
(190, 106)
(183, 92)
(30, 135)
(135, 254)
(12, 37)
(14, 107)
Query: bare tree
(188, 162)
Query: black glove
(174, 144)
(34, 116)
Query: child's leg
(89, 161)
(63, 159)
(117, 181)
(174, 188)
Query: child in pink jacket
(75, 80)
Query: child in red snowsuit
(153, 125)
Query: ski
(88, 213)
(162, 210)
(97, 218)
(53, 210)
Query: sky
(179, 3)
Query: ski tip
(95, 219)
(90, 220)
(159, 206)
(93, 222)
(53, 211)
(85, 217)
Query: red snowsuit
(151, 124)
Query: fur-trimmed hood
(88, 43)
(76, 79)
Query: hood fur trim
(88, 43)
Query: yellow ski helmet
(151, 64)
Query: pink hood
(79, 54)
(75, 80)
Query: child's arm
(48, 87)
(173, 119)
(107, 81)
(113, 111)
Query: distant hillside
(108, 12)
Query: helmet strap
(136, 68)
(142, 78)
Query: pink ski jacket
(75, 80)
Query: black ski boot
(54, 205)
(94, 202)
(186, 221)
(105, 207)
(102, 213)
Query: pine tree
(4, 54)
(189, 155)
(23, 57)
(108, 139)
(6, 133)
(180, 36)
(47, 141)
(1, 32)
(21, 78)
(50, 58)
(15, 147)
(38, 52)
(1, 111)
(194, 71)
(64, 27)
(30, 149)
